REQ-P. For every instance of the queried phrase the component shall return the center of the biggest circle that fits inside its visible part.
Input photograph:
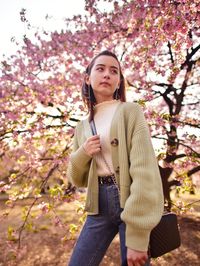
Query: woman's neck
(101, 100)
(105, 104)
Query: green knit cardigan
(136, 171)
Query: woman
(118, 166)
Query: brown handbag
(165, 237)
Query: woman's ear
(87, 79)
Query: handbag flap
(165, 237)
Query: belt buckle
(101, 181)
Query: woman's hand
(136, 258)
(92, 145)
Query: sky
(36, 11)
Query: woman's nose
(106, 74)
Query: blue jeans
(99, 231)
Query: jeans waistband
(106, 180)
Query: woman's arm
(144, 206)
(79, 161)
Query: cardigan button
(114, 142)
(117, 170)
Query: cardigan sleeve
(144, 206)
(79, 161)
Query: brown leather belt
(105, 180)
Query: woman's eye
(114, 71)
(100, 68)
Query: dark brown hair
(87, 90)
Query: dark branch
(170, 52)
(197, 125)
(187, 104)
(181, 143)
(189, 56)
(33, 203)
(194, 170)
(169, 89)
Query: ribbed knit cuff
(137, 239)
(80, 156)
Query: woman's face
(104, 78)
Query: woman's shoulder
(78, 126)
(131, 106)
(82, 120)
(82, 123)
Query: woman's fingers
(136, 258)
(92, 145)
(94, 142)
(95, 137)
(136, 263)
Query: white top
(103, 115)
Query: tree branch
(180, 143)
(33, 203)
(190, 104)
(170, 52)
(194, 170)
(189, 124)
(168, 90)
(189, 56)
(12, 131)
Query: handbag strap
(94, 132)
(93, 127)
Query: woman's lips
(105, 83)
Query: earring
(89, 93)
(116, 94)
(91, 96)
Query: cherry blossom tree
(158, 44)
